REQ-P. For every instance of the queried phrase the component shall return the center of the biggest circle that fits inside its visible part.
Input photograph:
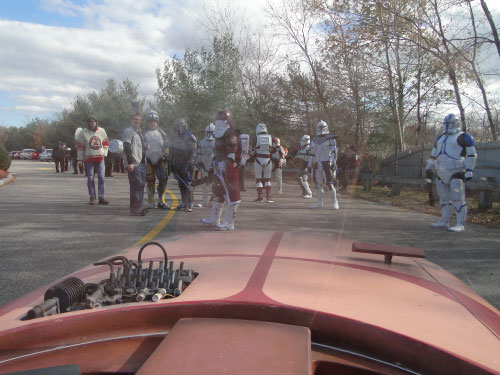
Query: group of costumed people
(217, 161)
(452, 161)
(317, 157)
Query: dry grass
(418, 200)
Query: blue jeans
(137, 181)
(99, 169)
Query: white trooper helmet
(451, 124)
(277, 142)
(210, 131)
(152, 115)
(322, 128)
(261, 129)
(305, 140)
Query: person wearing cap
(92, 147)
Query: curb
(4, 181)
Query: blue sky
(33, 11)
(55, 50)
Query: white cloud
(118, 39)
(31, 108)
(64, 7)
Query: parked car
(27, 154)
(46, 155)
(15, 154)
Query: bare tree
(477, 76)
(259, 61)
(494, 31)
(342, 48)
(297, 24)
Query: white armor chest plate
(263, 145)
(155, 140)
(322, 152)
(448, 158)
(220, 128)
(207, 147)
(447, 146)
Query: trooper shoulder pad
(466, 140)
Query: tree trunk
(477, 76)
(400, 96)
(319, 91)
(308, 121)
(492, 25)
(419, 102)
(398, 141)
(450, 68)
(357, 105)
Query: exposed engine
(128, 282)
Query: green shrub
(4, 158)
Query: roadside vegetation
(414, 199)
(5, 161)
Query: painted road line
(170, 214)
(46, 169)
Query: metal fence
(412, 163)
(411, 171)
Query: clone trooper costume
(262, 148)
(278, 158)
(225, 182)
(303, 156)
(204, 159)
(453, 158)
(322, 161)
(156, 154)
(182, 156)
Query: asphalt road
(47, 228)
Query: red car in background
(29, 154)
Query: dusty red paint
(261, 295)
